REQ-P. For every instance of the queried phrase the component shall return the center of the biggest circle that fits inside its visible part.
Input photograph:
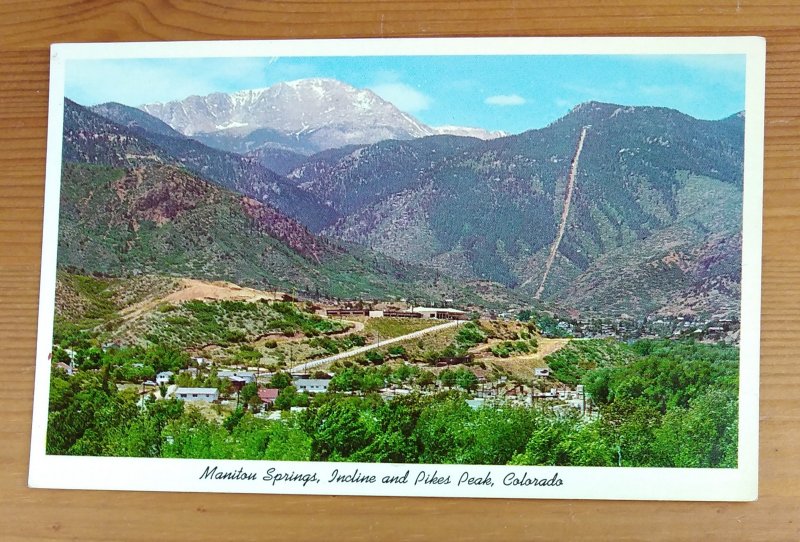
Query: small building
(164, 377)
(207, 395)
(440, 313)
(244, 376)
(515, 391)
(347, 312)
(268, 395)
(312, 385)
(401, 314)
(200, 360)
(66, 368)
(457, 360)
(237, 382)
(392, 392)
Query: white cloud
(138, 81)
(561, 103)
(403, 96)
(505, 99)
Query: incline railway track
(573, 169)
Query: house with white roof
(440, 313)
(163, 377)
(208, 395)
(238, 376)
(312, 385)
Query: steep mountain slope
(349, 179)
(94, 139)
(690, 268)
(303, 116)
(132, 118)
(491, 209)
(281, 161)
(161, 219)
(119, 221)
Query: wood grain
(26, 30)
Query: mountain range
(133, 203)
(303, 116)
(491, 209)
(653, 224)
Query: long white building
(208, 395)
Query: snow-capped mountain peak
(317, 113)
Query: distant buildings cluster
(437, 313)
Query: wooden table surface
(26, 30)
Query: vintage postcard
(505, 268)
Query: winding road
(350, 353)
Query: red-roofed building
(268, 395)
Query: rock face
(304, 116)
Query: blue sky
(510, 93)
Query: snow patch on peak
(231, 124)
(364, 100)
(316, 83)
(619, 110)
(469, 131)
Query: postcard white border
(139, 474)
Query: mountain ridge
(641, 202)
(93, 138)
(422, 201)
(304, 115)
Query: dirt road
(350, 353)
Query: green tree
(247, 355)
(448, 378)
(372, 381)
(374, 357)
(704, 435)
(466, 379)
(397, 351)
(426, 379)
(248, 391)
(341, 429)
(286, 398)
(443, 430)
(566, 440)
(233, 419)
(280, 380)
